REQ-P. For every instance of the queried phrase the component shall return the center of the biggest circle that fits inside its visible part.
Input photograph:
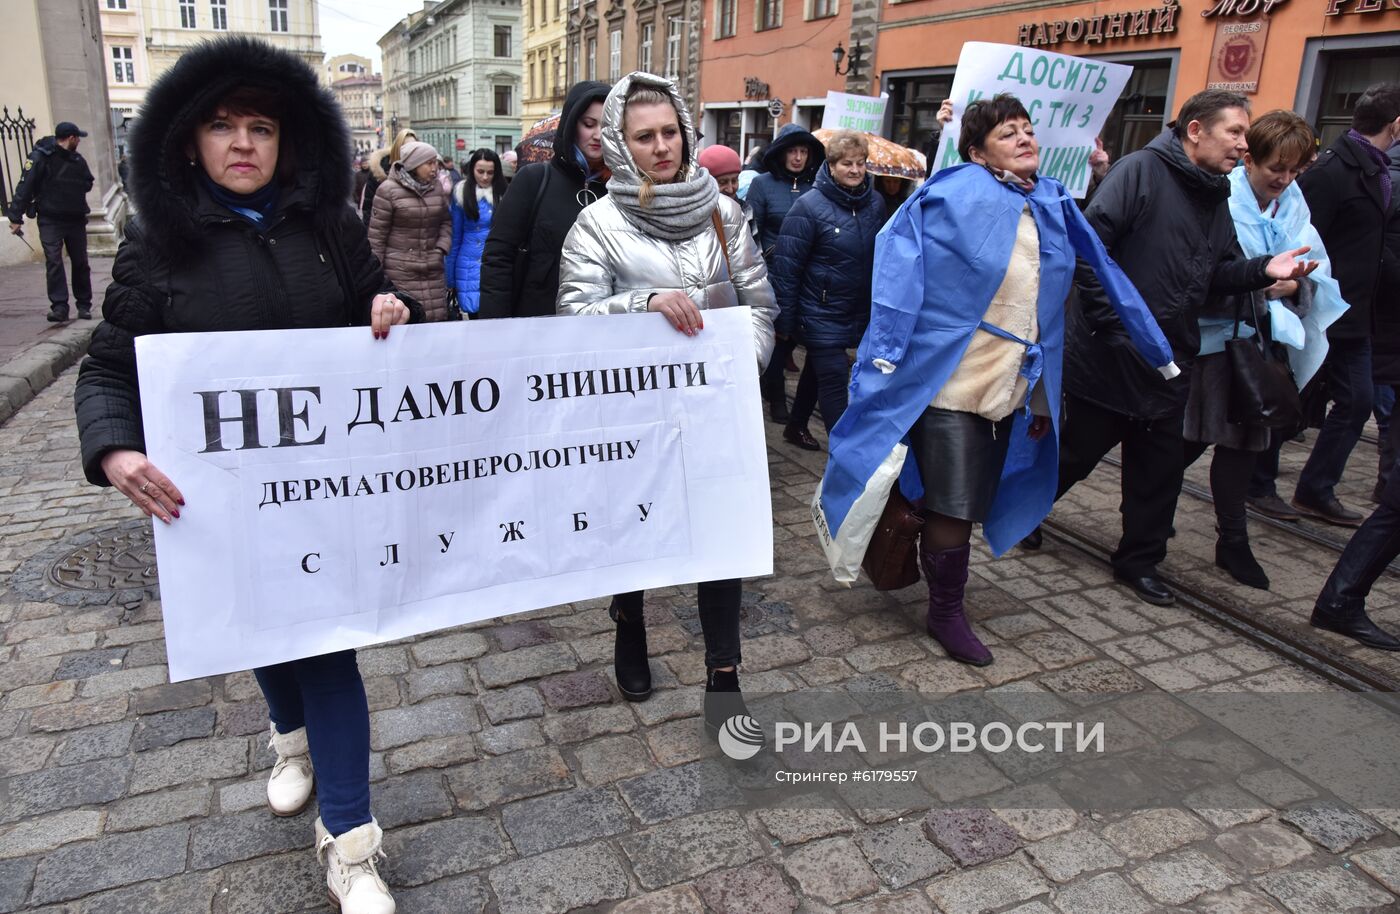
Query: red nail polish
(176, 513)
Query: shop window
(729, 128)
(1348, 76)
(915, 103)
(1141, 111)
(762, 133)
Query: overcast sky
(354, 27)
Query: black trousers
(55, 235)
(720, 602)
(770, 382)
(1152, 474)
(1372, 547)
(1230, 471)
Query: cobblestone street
(510, 777)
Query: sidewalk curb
(25, 375)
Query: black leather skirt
(960, 456)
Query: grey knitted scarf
(679, 210)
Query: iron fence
(16, 140)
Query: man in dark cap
(54, 187)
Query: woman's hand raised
(139, 480)
(679, 310)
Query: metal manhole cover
(118, 559)
(97, 566)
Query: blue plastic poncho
(938, 262)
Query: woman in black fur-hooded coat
(240, 171)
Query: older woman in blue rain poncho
(961, 363)
(1270, 217)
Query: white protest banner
(343, 491)
(1068, 99)
(854, 112)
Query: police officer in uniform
(55, 186)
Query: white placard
(854, 112)
(1068, 99)
(343, 491)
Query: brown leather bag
(892, 558)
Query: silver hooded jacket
(610, 265)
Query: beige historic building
(53, 70)
(361, 98)
(346, 66)
(608, 39)
(141, 39)
(544, 58)
(393, 52)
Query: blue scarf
(257, 207)
(1284, 225)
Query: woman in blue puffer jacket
(821, 275)
(474, 199)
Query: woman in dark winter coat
(240, 168)
(821, 275)
(474, 202)
(1270, 216)
(791, 160)
(410, 229)
(520, 266)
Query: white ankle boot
(351, 877)
(289, 787)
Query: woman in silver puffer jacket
(664, 239)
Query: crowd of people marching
(1006, 336)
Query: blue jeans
(1349, 383)
(326, 695)
(823, 384)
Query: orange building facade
(1311, 56)
(758, 52)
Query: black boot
(630, 653)
(723, 700)
(1232, 553)
(1341, 607)
(1347, 616)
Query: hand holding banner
(343, 492)
(1068, 99)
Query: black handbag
(1262, 390)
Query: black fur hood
(163, 183)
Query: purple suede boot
(946, 571)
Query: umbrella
(887, 157)
(538, 144)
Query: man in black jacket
(1163, 214)
(1352, 196)
(1350, 193)
(55, 185)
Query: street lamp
(853, 63)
